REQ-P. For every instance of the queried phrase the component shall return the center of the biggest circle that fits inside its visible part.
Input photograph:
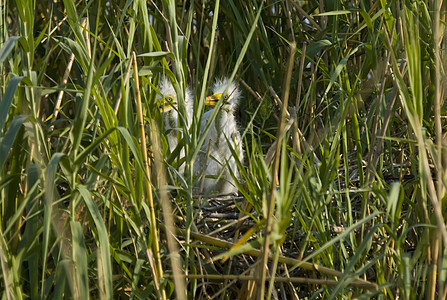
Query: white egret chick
(222, 135)
(169, 108)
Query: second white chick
(170, 110)
(222, 135)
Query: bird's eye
(226, 97)
(169, 98)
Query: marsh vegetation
(341, 186)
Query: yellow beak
(165, 106)
(213, 99)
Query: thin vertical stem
(437, 39)
(271, 204)
(168, 220)
(158, 274)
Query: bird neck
(224, 118)
(227, 108)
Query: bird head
(168, 99)
(168, 103)
(227, 91)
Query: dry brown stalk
(282, 259)
(155, 243)
(300, 280)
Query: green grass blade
(8, 139)
(80, 259)
(103, 240)
(7, 47)
(50, 198)
(7, 98)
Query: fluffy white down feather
(223, 134)
(170, 115)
